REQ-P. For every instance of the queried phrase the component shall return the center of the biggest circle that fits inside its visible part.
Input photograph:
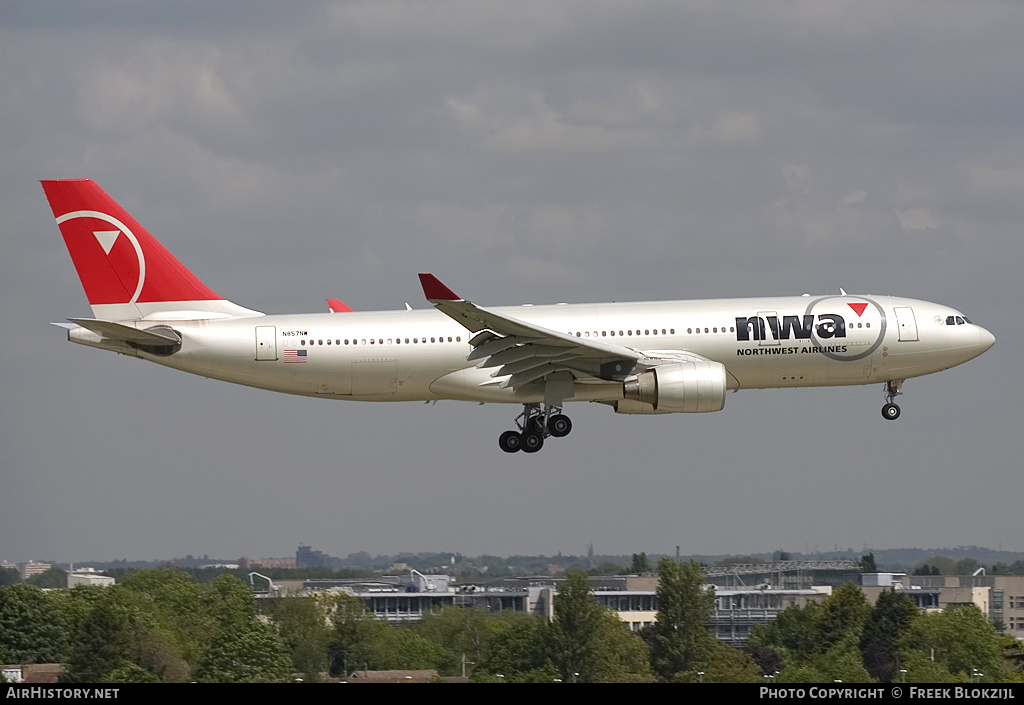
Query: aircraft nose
(985, 340)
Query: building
(88, 576)
(27, 570)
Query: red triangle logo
(859, 308)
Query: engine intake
(696, 386)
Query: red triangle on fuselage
(859, 308)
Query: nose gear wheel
(893, 389)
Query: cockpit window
(950, 320)
(956, 320)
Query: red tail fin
(125, 272)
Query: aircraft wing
(526, 352)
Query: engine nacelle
(696, 386)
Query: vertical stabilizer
(126, 273)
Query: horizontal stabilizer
(160, 336)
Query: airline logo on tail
(125, 272)
(127, 264)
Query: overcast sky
(524, 152)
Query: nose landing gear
(537, 422)
(893, 389)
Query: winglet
(336, 306)
(434, 290)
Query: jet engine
(690, 386)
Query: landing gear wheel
(532, 442)
(510, 441)
(559, 425)
(891, 412)
(536, 424)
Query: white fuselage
(803, 341)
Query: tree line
(161, 626)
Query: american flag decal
(294, 355)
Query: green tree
(129, 672)
(724, 664)
(462, 631)
(939, 565)
(302, 623)
(574, 629)
(620, 655)
(186, 614)
(880, 639)
(32, 629)
(680, 638)
(794, 632)
(640, 564)
(516, 648)
(400, 647)
(767, 659)
(9, 576)
(843, 661)
(244, 652)
(230, 600)
(103, 643)
(960, 637)
(967, 566)
(607, 568)
(867, 564)
(52, 578)
(842, 614)
(353, 627)
(122, 629)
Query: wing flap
(525, 351)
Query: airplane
(656, 357)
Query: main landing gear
(537, 422)
(893, 389)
